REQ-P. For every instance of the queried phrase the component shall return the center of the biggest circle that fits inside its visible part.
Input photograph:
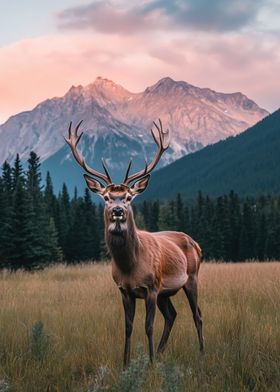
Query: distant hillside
(248, 163)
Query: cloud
(36, 69)
(152, 15)
(106, 18)
(205, 15)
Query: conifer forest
(39, 228)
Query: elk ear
(140, 185)
(94, 185)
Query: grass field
(82, 316)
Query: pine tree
(261, 236)
(33, 182)
(139, 220)
(17, 172)
(92, 245)
(38, 247)
(165, 216)
(180, 213)
(200, 223)
(154, 216)
(83, 236)
(6, 233)
(100, 217)
(21, 229)
(218, 238)
(64, 218)
(187, 223)
(54, 251)
(145, 210)
(208, 235)
(75, 238)
(247, 236)
(36, 225)
(49, 197)
(235, 225)
(92, 235)
(272, 246)
(7, 179)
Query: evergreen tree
(165, 221)
(64, 218)
(235, 224)
(154, 216)
(145, 211)
(139, 220)
(272, 246)
(247, 237)
(7, 179)
(180, 213)
(207, 231)
(33, 182)
(261, 236)
(36, 225)
(49, 198)
(21, 227)
(75, 237)
(54, 251)
(83, 236)
(187, 223)
(92, 228)
(100, 217)
(38, 247)
(6, 233)
(17, 172)
(218, 248)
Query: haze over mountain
(117, 123)
(248, 163)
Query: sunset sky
(47, 46)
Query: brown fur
(152, 266)
(144, 263)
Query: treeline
(227, 228)
(37, 227)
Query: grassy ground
(82, 316)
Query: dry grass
(81, 310)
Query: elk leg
(150, 301)
(129, 311)
(169, 313)
(190, 289)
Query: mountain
(117, 123)
(248, 163)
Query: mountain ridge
(117, 123)
(248, 163)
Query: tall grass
(62, 330)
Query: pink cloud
(35, 69)
(128, 18)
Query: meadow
(62, 330)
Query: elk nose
(118, 211)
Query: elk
(150, 266)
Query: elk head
(118, 198)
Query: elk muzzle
(118, 214)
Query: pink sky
(227, 46)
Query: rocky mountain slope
(117, 123)
(248, 163)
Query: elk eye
(129, 198)
(106, 198)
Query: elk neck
(123, 244)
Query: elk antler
(73, 140)
(162, 141)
